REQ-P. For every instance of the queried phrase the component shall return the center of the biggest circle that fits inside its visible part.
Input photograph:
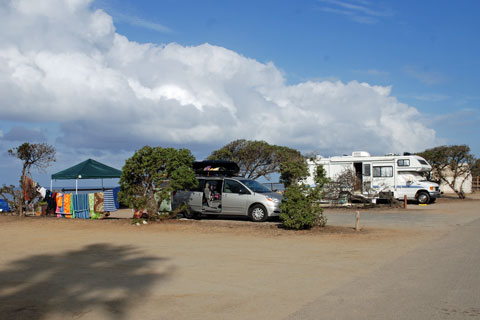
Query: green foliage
(255, 158)
(476, 168)
(293, 171)
(152, 174)
(37, 155)
(300, 205)
(450, 161)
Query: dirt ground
(207, 269)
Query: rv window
(423, 162)
(382, 172)
(366, 170)
(403, 163)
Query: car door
(195, 196)
(234, 198)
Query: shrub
(300, 209)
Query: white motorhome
(401, 175)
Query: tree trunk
(22, 189)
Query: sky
(102, 78)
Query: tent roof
(88, 169)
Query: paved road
(438, 281)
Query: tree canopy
(255, 158)
(476, 168)
(451, 165)
(152, 174)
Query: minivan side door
(195, 196)
(234, 198)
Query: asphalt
(440, 280)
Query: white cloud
(357, 10)
(63, 62)
(139, 22)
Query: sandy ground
(208, 269)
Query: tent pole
(76, 186)
(102, 184)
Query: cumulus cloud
(62, 61)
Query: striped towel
(109, 201)
(80, 206)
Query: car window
(231, 186)
(255, 186)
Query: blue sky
(326, 76)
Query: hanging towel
(108, 201)
(98, 205)
(67, 198)
(91, 202)
(59, 200)
(115, 197)
(80, 206)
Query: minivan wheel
(258, 213)
(190, 214)
(423, 197)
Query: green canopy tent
(88, 169)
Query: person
(207, 194)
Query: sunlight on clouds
(111, 93)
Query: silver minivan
(228, 195)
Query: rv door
(366, 177)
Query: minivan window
(255, 186)
(200, 185)
(231, 186)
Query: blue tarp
(4, 206)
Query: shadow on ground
(98, 279)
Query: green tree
(33, 155)
(476, 169)
(255, 158)
(301, 202)
(451, 165)
(152, 174)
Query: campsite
(184, 269)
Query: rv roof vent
(360, 154)
(407, 154)
(390, 154)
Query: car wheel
(190, 214)
(423, 197)
(258, 213)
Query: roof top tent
(88, 169)
(216, 168)
(400, 174)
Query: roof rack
(216, 168)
